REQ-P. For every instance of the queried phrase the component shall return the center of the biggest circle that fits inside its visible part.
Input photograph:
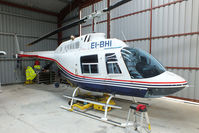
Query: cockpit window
(140, 64)
(112, 64)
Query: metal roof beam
(68, 9)
(28, 8)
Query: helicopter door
(113, 69)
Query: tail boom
(40, 54)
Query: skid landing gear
(81, 104)
(105, 107)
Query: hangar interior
(167, 29)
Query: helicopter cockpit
(140, 64)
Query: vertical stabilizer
(17, 44)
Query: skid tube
(106, 105)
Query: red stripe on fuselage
(47, 58)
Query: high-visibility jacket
(30, 73)
(37, 67)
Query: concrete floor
(35, 109)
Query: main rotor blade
(116, 5)
(59, 30)
(83, 20)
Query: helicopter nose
(169, 83)
(172, 78)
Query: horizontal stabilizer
(2, 53)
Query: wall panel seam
(164, 36)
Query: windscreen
(140, 64)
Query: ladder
(141, 122)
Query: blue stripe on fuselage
(108, 88)
(130, 84)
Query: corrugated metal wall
(169, 29)
(178, 51)
(28, 26)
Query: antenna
(124, 37)
(80, 26)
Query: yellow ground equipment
(71, 84)
(80, 103)
(84, 105)
(83, 102)
(103, 100)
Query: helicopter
(95, 63)
(107, 65)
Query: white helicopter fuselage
(95, 63)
